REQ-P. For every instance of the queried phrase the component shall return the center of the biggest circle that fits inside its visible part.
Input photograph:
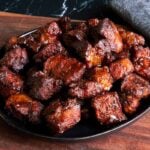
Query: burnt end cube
(142, 67)
(76, 40)
(62, 115)
(142, 61)
(107, 108)
(31, 41)
(49, 33)
(52, 28)
(141, 52)
(102, 76)
(10, 83)
(16, 58)
(48, 50)
(136, 86)
(24, 108)
(106, 29)
(85, 89)
(130, 39)
(42, 36)
(43, 87)
(65, 68)
(130, 103)
(92, 56)
(121, 68)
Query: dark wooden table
(133, 137)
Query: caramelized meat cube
(15, 58)
(130, 39)
(142, 61)
(45, 35)
(85, 89)
(31, 41)
(76, 39)
(62, 115)
(49, 33)
(103, 46)
(49, 50)
(24, 108)
(134, 88)
(120, 68)
(107, 29)
(10, 83)
(142, 67)
(42, 87)
(135, 85)
(107, 108)
(64, 68)
(103, 77)
(103, 52)
(130, 103)
(53, 29)
(141, 52)
(92, 56)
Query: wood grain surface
(133, 137)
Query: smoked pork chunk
(133, 88)
(10, 83)
(48, 50)
(142, 61)
(108, 109)
(85, 89)
(102, 76)
(121, 68)
(107, 30)
(129, 38)
(16, 58)
(24, 108)
(64, 68)
(41, 86)
(62, 115)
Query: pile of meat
(67, 71)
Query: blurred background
(76, 9)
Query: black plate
(83, 130)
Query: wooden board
(133, 137)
